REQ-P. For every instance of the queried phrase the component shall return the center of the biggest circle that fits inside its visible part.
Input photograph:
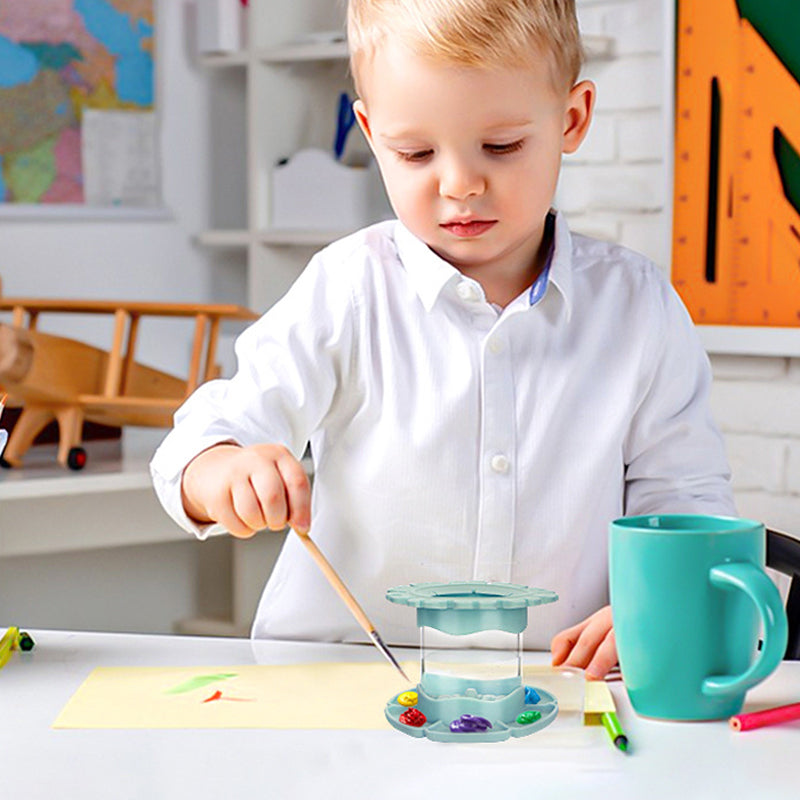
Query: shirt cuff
(166, 471)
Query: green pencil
(611, 724)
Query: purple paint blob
(467, 723)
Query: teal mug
(688, 596)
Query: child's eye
(502, 149)
(415, 156)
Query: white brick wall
(756, 402)
(618, 187)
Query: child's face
(470, 157)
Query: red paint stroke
(218, 696)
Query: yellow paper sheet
(306, 696)
(323, 695)
(598, 700)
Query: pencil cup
(689, 595)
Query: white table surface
(667, 760)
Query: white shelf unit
(112, 469)
(293, 75)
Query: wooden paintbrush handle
(337, 583)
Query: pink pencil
(760, 719)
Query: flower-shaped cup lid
(462, 607)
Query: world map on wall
(60, 62)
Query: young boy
(483, 391)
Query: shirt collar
(539, 286)
(561, 262)
(429, 274)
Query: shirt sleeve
(289, 364)
(674, 454)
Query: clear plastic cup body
(487, 663)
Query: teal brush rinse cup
(467, 692)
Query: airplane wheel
(76, 458)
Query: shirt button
(469, 292)
(500, 464)
(496, 345)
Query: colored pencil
(770, 716)
(614, 729)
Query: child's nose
(459, 180)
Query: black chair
(783, 555)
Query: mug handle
(762, 591)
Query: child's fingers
(563, 642)
(270, 494)
(227, 517)
(583, 650)
(590, 636)
(604, 658)
(246, 505)
(298, 492)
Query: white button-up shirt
(453, 442)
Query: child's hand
(246, 489)
(589, 644)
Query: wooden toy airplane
(57, 377)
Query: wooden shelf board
(105, 471)
(224, 60)
(224, 238)
(288, 237)
(750, 340)
(299, 52)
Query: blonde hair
(471, 33)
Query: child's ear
(578, 115)
(360, 111)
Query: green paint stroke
(199, 681)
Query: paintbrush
(350, 601)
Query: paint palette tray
(440, 713)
